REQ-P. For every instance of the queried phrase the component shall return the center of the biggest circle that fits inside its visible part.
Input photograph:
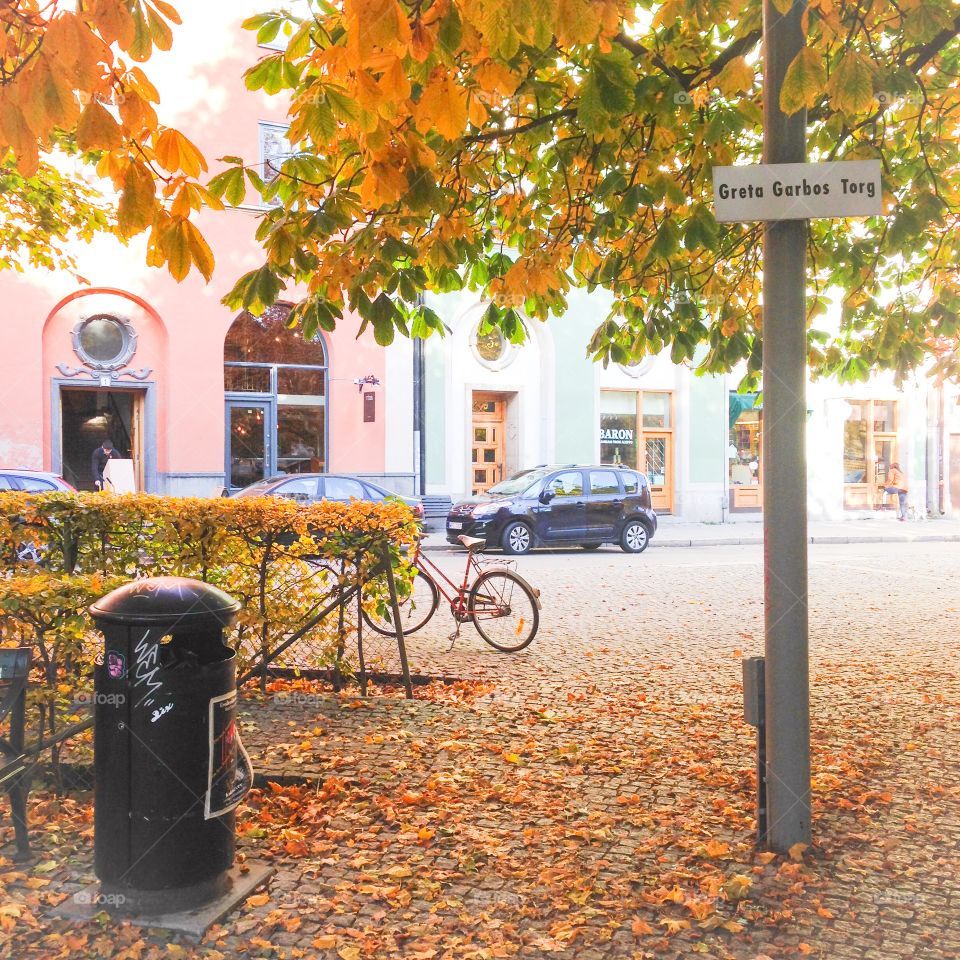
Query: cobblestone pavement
(591, 796)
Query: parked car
(311, 487)
(33, 481)
(560, 506)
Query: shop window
(870, 446)
(656, 411)
(636, 431)
(618, 427)
(271, 373)
(744, 452)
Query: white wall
(398, 404)
(528, 377)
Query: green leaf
(230, 185)
(851, 84)
(804, 82)
(451, 32)
(668, 240)
(255, 291)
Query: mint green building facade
(493, 409)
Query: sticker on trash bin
(116, 665)
(229, 773)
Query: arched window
(275, 384)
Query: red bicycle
(503, 607)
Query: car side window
(36, 485)
(604, 482)
(373, 494)
(569, 484)
(631, 482)
(342, 488)
(303, 489)
(7, 484)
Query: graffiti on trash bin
(160, 711)
(146, 669)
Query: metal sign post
(787, 682)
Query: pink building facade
(198, 397)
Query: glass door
(657, 459)
(248, 442)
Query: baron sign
(616, 436)
(797, 191)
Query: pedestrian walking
(101, 455)
(897, 483)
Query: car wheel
(590, 546)
(635, 537)
(517, 538)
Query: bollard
(754, 713)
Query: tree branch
(502, 133)
(930, 49)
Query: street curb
(754, 541)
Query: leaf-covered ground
(593, 796)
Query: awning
(739, 402)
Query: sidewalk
(673, 532)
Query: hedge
(283, 560)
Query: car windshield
(517, 484)
(259, 488)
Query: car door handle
(617, 503)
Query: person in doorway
(101, 455)
(897, 483)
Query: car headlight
(486, 509)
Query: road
(698, 609)
(607, 765)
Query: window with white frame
(274, 148)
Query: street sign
(797, 191)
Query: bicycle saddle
(471, 543)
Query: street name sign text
(797, 191)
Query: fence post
(395, 611)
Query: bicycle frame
(457, 597)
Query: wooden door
(658, 466)
(487, 446)
(137, 441)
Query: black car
(560, 506)
(311, 487)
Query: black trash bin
(170, 768)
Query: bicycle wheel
(416, 608)
(505, 610)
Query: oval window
(490, 346)
(102, 339)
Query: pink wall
(182, 326)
